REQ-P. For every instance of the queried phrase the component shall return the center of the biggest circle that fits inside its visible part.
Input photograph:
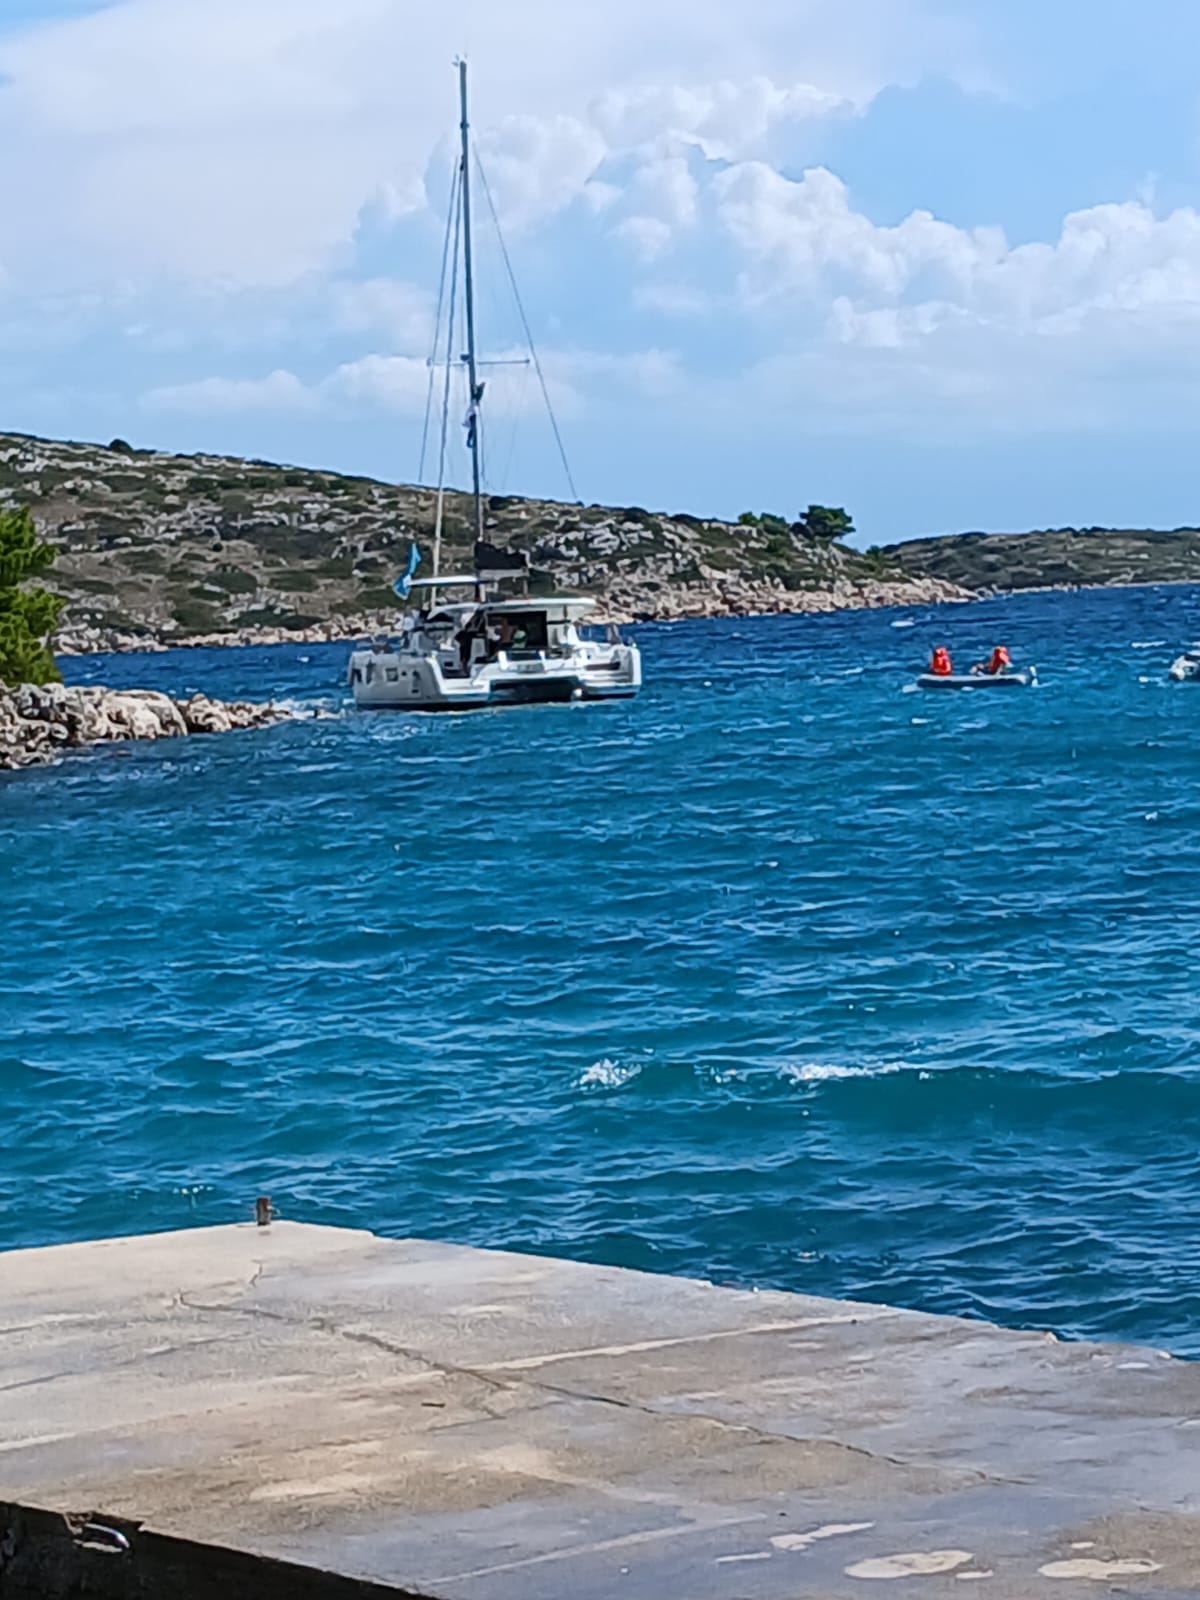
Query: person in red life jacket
(939, 662)
(997, 666)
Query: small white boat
(1185, 668)
(466, 655)
(1025, 678)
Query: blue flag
(403, 583)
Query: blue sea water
(779, 975)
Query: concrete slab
(480, 1426)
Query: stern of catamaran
(494, 653)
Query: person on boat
(940, 664)
(999, 664)
(466, 637)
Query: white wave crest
(324, 710)
(823, 1072)
(607, 1074)
(1147, 644)
(905, 622)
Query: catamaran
(484, 649)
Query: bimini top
(557, 608)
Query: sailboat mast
(476, 392)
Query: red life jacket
(940, 664)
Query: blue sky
(935, 260)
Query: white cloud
(647, 237)
(537, 165)
(648, 374)
(251, 175)
(241, 141)
(663, 198)
(400, 385)
(401, 311)
(804, 235)
(724, 120)
(384, 383)
(279, 392)
(887, 286)
(675, 299)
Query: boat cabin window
(519, 630)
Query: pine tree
(824, 523)
(27, 616)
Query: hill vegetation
(172, 547)
(1055, 558)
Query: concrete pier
(474, 1426)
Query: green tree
(878, 561)
(27, 616)
(825, 523)
(763, 519)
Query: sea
(785, 974)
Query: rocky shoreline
(38, 725)
(727, 597)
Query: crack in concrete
(486, 1377)
(142, 1357)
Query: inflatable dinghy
(979, 680)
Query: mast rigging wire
(437, 322)
(441, 493)
(537, 365)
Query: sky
(936, 261)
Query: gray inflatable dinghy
(979, 680)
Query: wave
(823, 1072)
(607, 1074)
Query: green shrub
(232, 580)
(202, 488)
(91, 585)
(145, 559)
(337, 567)
(376, 598)
(301, 581)
(195, 615)
(269, 617)
(27, 616)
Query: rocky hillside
(176, 547)
(1057, 557)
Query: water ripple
(778, 975)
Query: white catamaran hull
(400, 680)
